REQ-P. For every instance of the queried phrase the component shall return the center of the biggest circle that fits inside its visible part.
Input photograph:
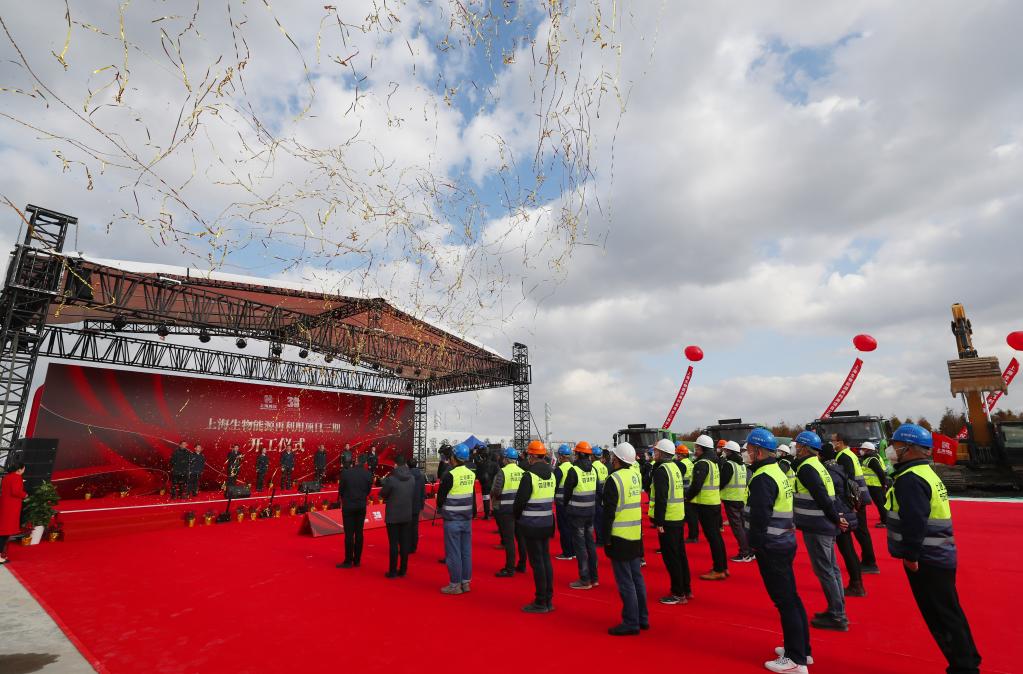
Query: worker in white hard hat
(704, 496)
(877, 480)
(733, 496)
(667, 512)
(623, 518)
(785, 456)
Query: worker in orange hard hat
(534, 514)
(580, 495)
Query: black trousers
(3, 545)
(511, 539)
(852, 561)
(192, 484)
(692, 522)
(486, 502)
(178, 482)
(286, 478)
(319, 474)
(564, 530)
(862, 534)
(399, 542)
(877, 495)
(710, 522)
(673, 552)
(414, 536)
(260, 479)
(934, 589)
(353, 522)
(780, 583)
(539, 552)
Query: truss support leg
(520, 397)
(419, 431)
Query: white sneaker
(780, 652)
(786, 666)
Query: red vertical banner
(678, 399)
(846, 387)
(945, 449)
(992, 399)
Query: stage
(257, 597)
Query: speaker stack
(38, 455)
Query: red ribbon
(992, 398)
(678, 399)
(844, 391)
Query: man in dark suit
(353, 489)
(262, 465)
(287, 467)
(418, 502)
(233, 465)
(179, 470)
(371, 460)
(399, 493)
(196, 465)
(320, 463)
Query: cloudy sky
(762, 182)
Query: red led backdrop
(118, 428)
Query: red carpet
(256, 597)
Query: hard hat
(785, 449)
(682, 450)
(461, 452)
(625, 452)
(722, 443)
(511, 453)
(705, 441)
(536, 447)
(565, 450)
(912, 434)
(584, 448)
(597, 451)
(869, 446)
(809, 439)
(733, 446)
(665, 445)
(763, 438)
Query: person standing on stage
(262, 465)
(346, 455)
(196, 466)
(667, 512)
(533, 510)
(371, 460)
(506, 486)
(456, 502)
(179, 470)
(353, 489)
(399, 494)
(705, 496)
(733, 496)
(233, 465)
(580, 495)
(623, 524)
(287, 467)
(320, 463)
(850, 463)
(12, 493)
(418, 502)
(920, 534)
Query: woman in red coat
(12, 493)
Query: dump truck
(642, 436)
(729, 429)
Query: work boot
(780, 652)
(672, 599)
(505, 573)
(856, 590)
(535, 608)
(521, 568)
(452, 588)
(565, 557)
(829, 622)
(581, 585)
(714, 575)
(623, 631)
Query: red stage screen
(117, 428)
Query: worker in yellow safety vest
(623, 512)
(667, 512)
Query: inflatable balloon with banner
(695, 355)
(864, 344)
(1015, 342)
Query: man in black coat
(233, 465)
(320, 463)
(418, 502)
(399, 493)
(287, 467)
(262, 465)
(179, 470)
(196, 465)
(486, 471)
(353, 489)
(372, 460)
(535, 516)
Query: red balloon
(694, 353)
(864, 342)
(1015, 340)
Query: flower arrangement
(293, 508)
(189, 518)
(55, 532)
(240, 513)
(208, 517)
(277, 510)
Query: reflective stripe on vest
(539, 510)
(512, 478)
(628, 522)
(857, 474)
(735, 490)
(687, 477)
(781, 531)
(710, 492)
(676, 506)
(559, 493)
(939, 542)
(458, 504)
(869, 475)
(808, 515)
(584, 496)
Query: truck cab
(641, 436)
(855, 427)
(729, 429)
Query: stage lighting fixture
(276, 350)
(162, 330)
(119, 322)
(204, 336)
(303, 353)
(240, 343)
(328, 358)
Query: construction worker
(850, 463)
(667, 512)
(920, 534)
(847, 496)
(769, 512)
(876, 477)
(786, 455)
(704, 495)
(820, 520)
(561, 470)
(534, 514)
(580, 495)
(456, 502)
(506, 486)
(598, 513)
(733, 497)
(685, 464)
(623, 517)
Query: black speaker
(238, 491)
(38, 455)
(309, 487)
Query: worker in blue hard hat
(506, 485)
(599, 465)
(920, 534)
(561, 470)
(456, 502)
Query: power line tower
(520, 395)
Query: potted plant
(253, 513)
(55, 532)
(325, 504)
(38, 509)
(277, 510)
(124, 492)
(292, 508)
(208, 517)
(240, 513)
(189, 518)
